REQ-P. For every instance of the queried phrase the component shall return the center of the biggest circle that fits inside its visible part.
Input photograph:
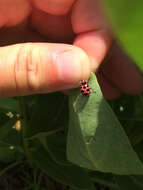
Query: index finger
(90, 25)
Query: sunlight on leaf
(96, 139)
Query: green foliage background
(126, 19)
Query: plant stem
(10, 166)
(24, 126)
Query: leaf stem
(24, 126)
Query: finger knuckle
(27, 68)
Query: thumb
(33, 68)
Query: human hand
(118, 74)
(37, 67)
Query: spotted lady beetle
(85, 88)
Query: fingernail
(68, 67)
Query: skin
(51, 45)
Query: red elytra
(85, 88)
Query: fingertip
(96, 44)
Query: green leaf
(96, 140)
(126, 19)
(129, 182)
(56, 146)
(49, 109)
(68, 175)
(9, 104)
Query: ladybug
(85, 88)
